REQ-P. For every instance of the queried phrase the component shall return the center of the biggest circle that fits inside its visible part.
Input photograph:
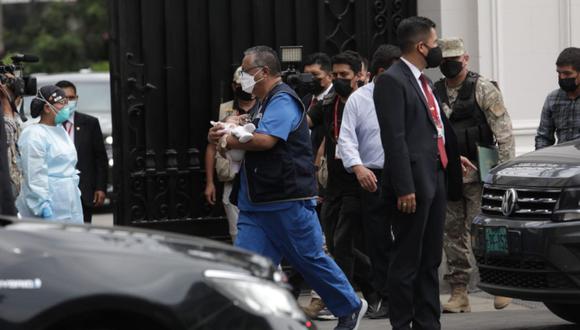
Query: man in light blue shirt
(361, 151)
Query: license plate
(496, 240)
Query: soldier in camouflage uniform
(475, 108)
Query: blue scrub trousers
(295, 234)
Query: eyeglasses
(63, 101)
(243, 72)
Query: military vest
(467, 118)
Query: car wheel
(568, 312)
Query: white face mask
(247, 81)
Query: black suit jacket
(316, 133)
(92, 156)
(409, 137)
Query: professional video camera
(19, 83)
(302, 83)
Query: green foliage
(67, 36)
(102, 66)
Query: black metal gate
(171, 65)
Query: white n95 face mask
(247, 81)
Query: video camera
(302, 83)
(19, 83)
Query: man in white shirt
(361, 151)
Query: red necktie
(436, 119)
(313, 102)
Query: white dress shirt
(359, 141)
(417, 73)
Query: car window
(94, 97)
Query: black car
(527, 238)
(57, 276)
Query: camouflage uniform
(12, 126)
(456, 240)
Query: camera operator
(12, 127)
(13, 85)
(7, 206)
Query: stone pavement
(519, 315)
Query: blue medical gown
(48, 158)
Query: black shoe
(374, 302)
(352, 321)
(382, 312)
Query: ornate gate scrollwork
(171, 65)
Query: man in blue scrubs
(277, 189)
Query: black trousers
(342, 226)
(87, 213)
(415, 258)
(376, 218)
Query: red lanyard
(336, 128)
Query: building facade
(515, 43)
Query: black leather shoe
(382, 312)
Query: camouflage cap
(237, 79)
(451, 47)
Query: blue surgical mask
(62, 115)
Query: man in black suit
(92, 157)
(320, 66)
(422, 166)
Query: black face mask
(241, 95)
(318, 88)
(360, 83)
(342, 87)
(313, 87)
(451, 69)
(434, 57)
(568, 84)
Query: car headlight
(254, 294)
(568, 205)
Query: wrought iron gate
(171, 65)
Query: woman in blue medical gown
(48, 159)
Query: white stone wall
(516, 43)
